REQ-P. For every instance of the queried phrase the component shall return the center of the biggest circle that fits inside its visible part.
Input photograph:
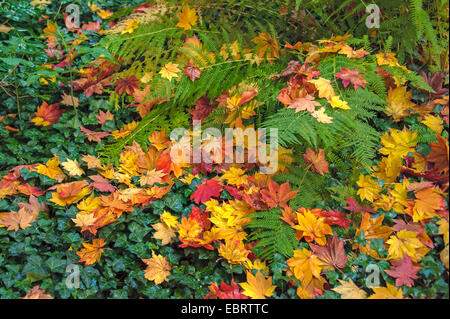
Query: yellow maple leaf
(169, 71)
(389, 292)
(324, 87)
(130, 26)
(434, 122)
(235, 176)
(312, 228)
(93, 7)
(348, 290)
(91, 253)
(257, 287)
(164, 233)
(234, 251)
(398, 142)
(336, 102)
(51, 169)
(368, 188)
(444, 256)
(73, 167)
(40, 3)
(104, 14)
(443, 229)
(266, 47)
(69, 193)
(399, 103)
(170, 220)
(388, 168)
(406, 242)
(158, 268)
(187, 18)
(387, 58)
(89, 204)
(305, 266)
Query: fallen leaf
(158, 269)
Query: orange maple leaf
(47, 115)
(317, 160)
(277, 195)
(91, 253)
(158, 268)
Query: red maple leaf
(351, 76)
(202, 217)
(277, 195)
(206, 190)
(334, 217)
(128, 85)
(203, 108)
(355, 208)
(333, 253)
(404, 271)
(317, 160)
(225, 291)
(102, 184)
(192, 71)
(439, 155)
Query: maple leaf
(351, 76)
(353, 206)
(266, 46)
(311, 228)
(435, 123)
(348, 290)
(443, 229)
(15, 220)
(277, 195)
(439, 155)
(92, 135)
(102, 117)
(169, 71)
(403, 271)
(34, 206)
(47, 115)
(427, 202)
(37, 293)
(51, 169)
(187, 18)
(369, 189)
(305, 266)
(304, 103)
(164, 233)
(334, 217)
(70, 100)
(203, 108)
(406, 242)
(324, 87)
(336, 102)
(257, 287)
(151, 177)
(388, 292)
(91, 161)
(399, 103)
(91, 26)
(91, 253)
(206, 190)
(130, 26)
(332, 254)
(102, 184)
(317, 160)
(86, 222)
(288, 216)
(73, 167)
(192, 71)
(104, 14)
(321, 116)
(374, 228)
(128, 85)
(225, 291)
(69, 193)
(158, 268)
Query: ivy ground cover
(223, 150)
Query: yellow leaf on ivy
(257, 287)
(158, 268)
